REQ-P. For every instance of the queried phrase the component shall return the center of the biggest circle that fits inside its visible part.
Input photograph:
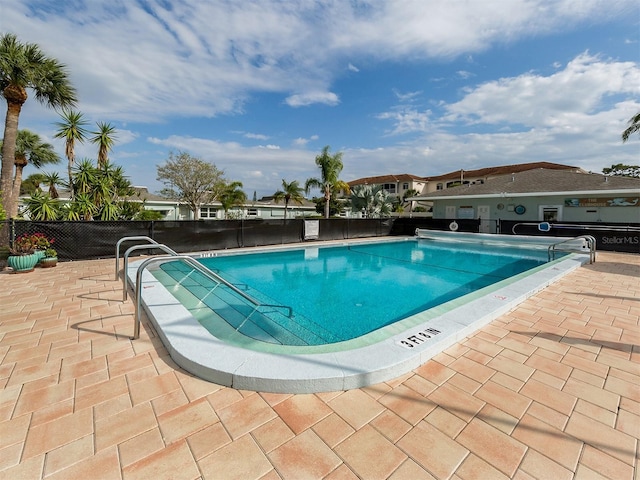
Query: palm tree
(231, 195)
(634, 126)
(291, 192)
(42, 207)
(373, 201)
(71, 128)
(24, 66)
(330, 168)
(412, 192)
(29, 149)
(51, 180)
(105, 139)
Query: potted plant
(27, 251)
(50, 258)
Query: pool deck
(548, 390)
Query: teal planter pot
(23, 263)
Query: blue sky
(409, 86)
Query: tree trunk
(21, 162)
(327, 199)
(15, 96)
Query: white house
(541, 195)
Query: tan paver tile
(356, 408)
(112, 407)
(186, 420)
(543, 467)
(28, 468)
(551, 397)
(474, 370)
(595, 395)
(494, 446)
(408, 404)
(391, 425)
(510, 367)
(37, 399)
(69, 454)
(497, 418)
(548, 415)
(446, 422)
(507, 400)
(457, 402)
(10, 456)
(175, 462)
(208, 440)
(195, 387)
(475, 467)
(361, 452)
(606, 465)
(551, 442)
(433, 450)
(333, 429)
(611, 441)
(435, 372)
(51, 435)
(245, 415)
(52, 412)
(305, 456)
(625, 387)
(411, 470)
(100, 392)
(153, 387)
(140, 446)
(302, 411)
(125, 425)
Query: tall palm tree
(634, 126)
(104, 137)
(29, 149)
(329, 181)
(291, 192)
(71, 128)
(231, 195)
(24, 66)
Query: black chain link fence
(97, 239)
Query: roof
(402, 177)
(503, 170)
(542, 181)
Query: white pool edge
(193, 348)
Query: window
(405, 186)
(439, 186)
(252, 212)
(389, 187)
(208, 212)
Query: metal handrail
(160, 246)
(126, 239)
(198, 266)
(591, 244)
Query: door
(450, 211)
(484, 215)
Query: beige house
(540, 195)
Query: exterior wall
(569, 209)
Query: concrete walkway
(548, 391)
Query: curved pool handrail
(198, 266)
(589, 240)
(155, 245)
(128, 239)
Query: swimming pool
(341, 292)
(237, 353)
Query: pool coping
(193, 348)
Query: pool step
(265, 323)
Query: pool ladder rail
(588, 241)
(172, 255)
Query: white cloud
(353, 68)
(558, 100)
(256, 136)
(306, 99)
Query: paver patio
(549, 391)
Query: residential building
(540, 195)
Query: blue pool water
(343, 292)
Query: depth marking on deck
(422, 336)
